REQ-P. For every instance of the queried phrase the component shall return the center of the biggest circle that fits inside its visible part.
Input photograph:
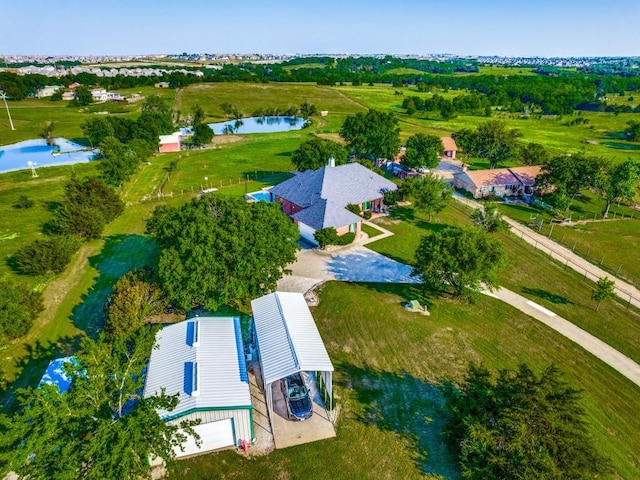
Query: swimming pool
(21, 155)
(261, 196)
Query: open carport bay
(287, 432)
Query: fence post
(618, 271)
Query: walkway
(624, 290)
(591, 344)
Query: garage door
(213, 436)
(306, 232)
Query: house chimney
(332, 162)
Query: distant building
(498, 181)
(99, 94)
(48, 91)
(449, 146)
(68, 96)
(169, 143)
(162, 85)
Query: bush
(346, 239)
(19, 307)
(367, 214)
(326, 236)
(353, 208)
(46, 256)
(24, 202)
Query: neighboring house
(68, 95)
(48, 91)
(449, 147)
(288, 342)
(169, 143)
(201, 360)
(497, 181)
(73, 85)
(317, 199)
(162, 85)
(99, 94)
(115, 97)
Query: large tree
(372, 135)
(219, 250)
(88, 205)
(119, 161)
(531, 153)
(619, 182)
(101, 427)
(520, 425)
(633, 132)
(491, 140)
(97, 128)
(422, 151)
(459, 259)
(314, 153)
(429, 194)
(202, 133)
(565, 176)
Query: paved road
(624, 290)
(591, 344)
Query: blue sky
(465, 27)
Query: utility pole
(4, 97)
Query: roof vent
(332, 162)
(195, 381)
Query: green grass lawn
(389, 364)
(530, 273)
(371, 231)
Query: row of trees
(472, 104)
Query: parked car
(296, 395)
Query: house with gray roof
(201, 360)
(317, 199)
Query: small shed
(169, 143)
(202, 361)
(288, 342)
(449, 147)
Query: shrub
(326, 236)
(19, 307)
(24, 202)
(46, 256)
(353, 208)
(367, 214)
(346, 239)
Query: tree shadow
(405, 214)
(120, 255)
(551, 297)
(32, 366)
(267, 177)
(284, 154)
(407, 291)
(407, 406)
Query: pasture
(389, 362)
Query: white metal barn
(202, 360)
(288, 342)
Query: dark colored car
(296, 395)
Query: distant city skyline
(525, 28)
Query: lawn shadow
(120, 255)
(551, 297)
(405, 214)
(407, 406)
(32, 366)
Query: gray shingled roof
(325, 213)
(329, 190)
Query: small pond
(22, 155)
(621, 146)
(258, 125)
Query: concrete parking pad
(288, 433)
(364, 265)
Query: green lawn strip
(530, 273)
(389, 363)
(371, 231)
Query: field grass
(530, 273)
(371, 231)
(249, 97)
(389, 364)
(29, 115)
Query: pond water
(621, 146)
(258, 125)
(21, 155)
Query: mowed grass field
(388, 362)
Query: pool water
(22, 155)
(258, 125)
(261, 196)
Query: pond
(22, 155)
(258, 125)
(621, 146)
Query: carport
(288, 342)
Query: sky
(547, 28)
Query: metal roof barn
(202, 360)
(288, 341)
